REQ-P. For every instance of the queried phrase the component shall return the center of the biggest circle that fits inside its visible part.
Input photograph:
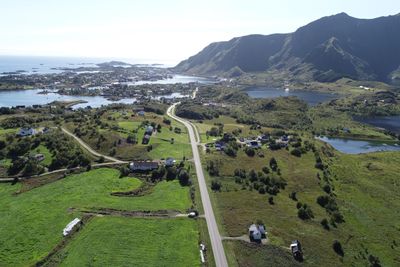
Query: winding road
(216, 240)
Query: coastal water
(391, 123)
(43, 65)
(349, 146)
(176, 79)
(311, 97)
(33, 97)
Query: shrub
(183, 177)
(215, 185)
(293, 196)
(296, 152)
(305, 212)
(325, 224)
(337, 247)
(250, 151)
(273, 164)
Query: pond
(391, 123)
(349, 146)
(311, 97)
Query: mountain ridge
(326, 49)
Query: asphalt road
(216, 241)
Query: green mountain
(325, 50)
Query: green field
(367, 190)
(32, 222)
(163, 144)
(365, 186)
(119, 241)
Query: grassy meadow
(121, 241)
(32, 222)
(366, 189)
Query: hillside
(325, 50)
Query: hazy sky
(162, 31)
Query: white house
(68, 229)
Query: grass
(160, 141)
(367, 191)
(41, 149)
(253, 255)
(32, 222)
(366, 201)
(134, 242)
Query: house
(143, 165)
(141, 113)
(295, 247)
(146, 139)
(68, 229)
(39, 157)
(257, 232)
(149, 130)
(253, 144)
(26, 132)
(219, 145)
(254, 233)
(169, 162)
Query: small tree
(183, 177)
(273, 164)
(215, 185)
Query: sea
(46, 65)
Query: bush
(293, 196)
(250, 151)
(230, 151)
(337, 247)
(273, 164)
(215, 185)
(124, 171)
(183, 177)
(296, 152)
(213, 168)
(327, 188)
(305, 212)
(325, 224)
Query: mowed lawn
(121, 241)
(32, 222)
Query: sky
(153, 31)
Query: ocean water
(46, 65)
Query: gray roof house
(26, 132)
(257, 232)
(143, 165)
